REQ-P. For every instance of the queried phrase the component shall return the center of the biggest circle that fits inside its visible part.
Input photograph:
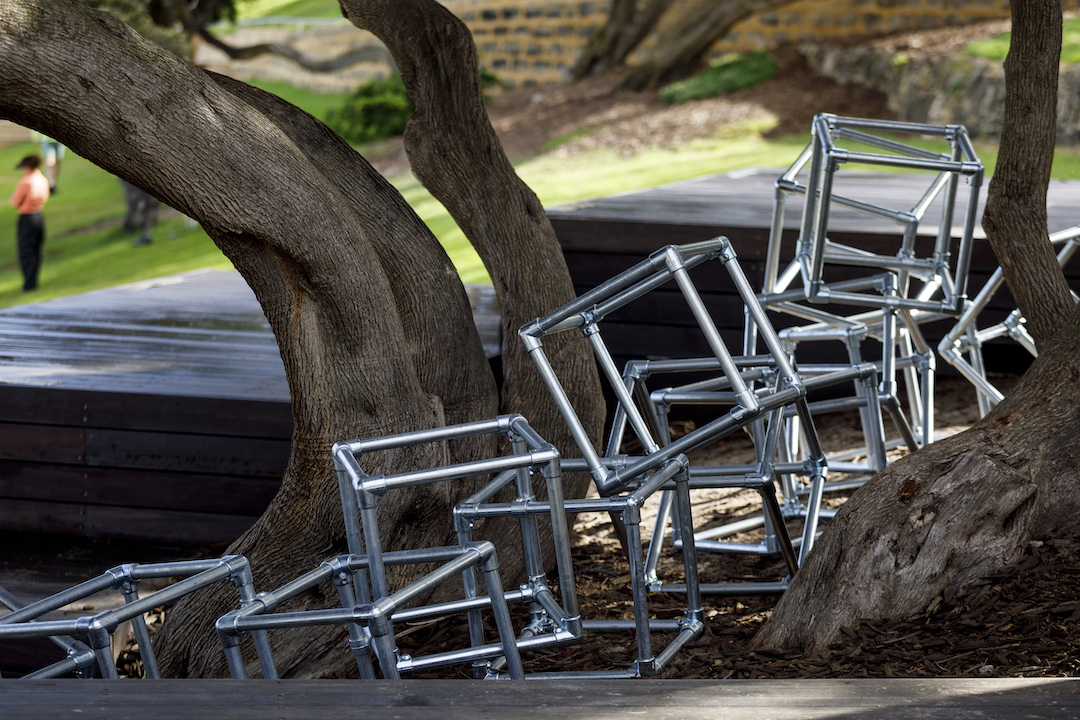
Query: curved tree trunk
(626, 28)
(964, 507)
(1015, 217)
(955, 511)
(683, 48)
(456, 154)
(373, 325)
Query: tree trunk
(1015, 217)
(684, 47)
(955, 511)
(456, 154)
(964, 507)
(373, 325)
(626, 28)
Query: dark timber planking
(154, 411)
(157, 410)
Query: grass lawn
(85, 248)
(287, 8)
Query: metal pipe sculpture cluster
(764, 392)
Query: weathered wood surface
(157, 410)
(895, 699)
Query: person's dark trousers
(30, 237)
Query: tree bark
(964, 507)
(683, 48)
(456, 154)
(367, 53)
(955, 511)
(373, 325)
(1015, 216)
(626, 28)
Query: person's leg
(53, 153)
(30, 238)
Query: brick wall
(529, 43)
(824, 19)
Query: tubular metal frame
(775, 462)
(371, 625)
(96, 653)
(898, 308)
(966, 338)
(370, 609)
(751, 401)
(815, 250)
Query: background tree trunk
(142, 211)
(683, 48)
(627, 27)
(964, 507)
(373, 325)
(456, 154)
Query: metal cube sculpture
(663, 466)
(966, 339)
(88, 640)
(903, 290)
(371, 608)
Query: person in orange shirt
(31, 193)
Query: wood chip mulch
(1020, 623)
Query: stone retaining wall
(955, 89)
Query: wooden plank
(201, 334)
(28, 442)
(893, 699)
(186, 453)
(122, 410)
(98, 521)
(82, 485)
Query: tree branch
(368, 53)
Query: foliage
(996, 48)
(378, 109)
(728, 74)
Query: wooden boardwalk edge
(955, 699)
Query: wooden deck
(156, 411)
(894, 699)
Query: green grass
(85, 249)
(728, 74)
(316, 103)
(996, 48)
(246, 9)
